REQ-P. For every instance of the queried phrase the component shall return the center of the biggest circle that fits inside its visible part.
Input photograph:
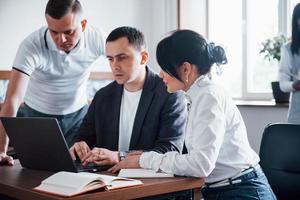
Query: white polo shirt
(58, 80)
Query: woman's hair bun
(216, 54)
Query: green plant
(271, 47)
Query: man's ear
(145, 57)
(83, 24)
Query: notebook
(69, 184)
(40, 145)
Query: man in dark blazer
(135, 112)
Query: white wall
(258, 117)
(154, 18)
(191, 10)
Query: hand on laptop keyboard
(101, 156)
(79, 149)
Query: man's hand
(296, 85)
(81, 149)
(131, 161)
(16, 89)
(5, 159)
(101, 156)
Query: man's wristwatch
(122, 155)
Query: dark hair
(188, 46)
(134, 36)
(59, 8)
(295, 45)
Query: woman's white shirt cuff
(151, 160)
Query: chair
(280, 159)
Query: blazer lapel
(144, 105)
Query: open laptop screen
(40, 144)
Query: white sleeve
(285, 70)
(27, 57)
(208, 130)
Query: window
(240, 26)
(224, 27)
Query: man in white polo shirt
(53, 65)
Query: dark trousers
(69, 123)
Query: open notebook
(69, 184)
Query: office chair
(280, 159)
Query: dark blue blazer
(159, 122)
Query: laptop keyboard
(91, 167)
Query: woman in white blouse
(216, 137)
(289, 68)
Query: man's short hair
(134, 36)
(59, 8)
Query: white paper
(142, 173)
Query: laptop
(40, 145)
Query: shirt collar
(194, 89)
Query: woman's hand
(131, 161)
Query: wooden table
(18, 182)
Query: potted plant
(271, 51)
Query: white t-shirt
(129, 105)
(58, 80)
(216, 138)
